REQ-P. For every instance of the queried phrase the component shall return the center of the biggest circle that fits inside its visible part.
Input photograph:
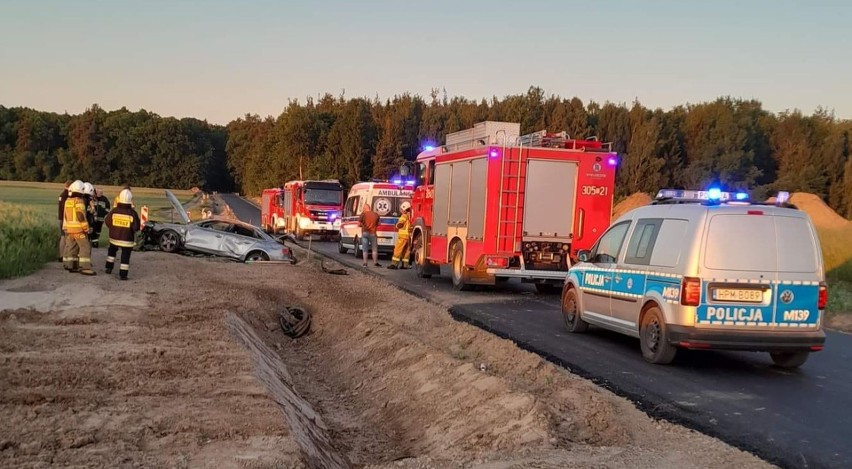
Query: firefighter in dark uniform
(102, 207)
(123, 223)
(78, 251)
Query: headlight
(304, 223)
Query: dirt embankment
(147, 373)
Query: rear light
(690, 291)
(496, 262)
(755, 212)
(823, 296)
(817, 348)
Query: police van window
(671, 239)
(642, 241)
(606, 251)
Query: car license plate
(386, 241)
(739, 295)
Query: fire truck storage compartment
(460, 195)
(549, 200)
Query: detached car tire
(169, 241)
(654, 338)
(789, 359)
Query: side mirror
(403, 170)
(584, 255)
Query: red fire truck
(303, 208)
(494, 205)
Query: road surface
(800, 418)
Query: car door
(597, 279)
(630, 275)
(207, 236)
(239, 242)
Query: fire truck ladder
(511, 175)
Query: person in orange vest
(78, 252)
(403, 238)
(123, 223)
(63, 196)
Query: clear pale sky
(218, 60)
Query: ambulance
(705, 270)
(384, 198)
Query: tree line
(116, 147)
(734, 143)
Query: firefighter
(123, 223)
(78, 253)
(61, 210)
(403, 238)
(102, 208)
(115, 200)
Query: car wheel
(257, 256)
(546, 288)
(789, 359)
(340, 247)
(653, 338)
(169, 241)
(421, 264)
(357, 248)
(571, 313)
(460, 276)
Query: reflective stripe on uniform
(84, 260)
(122, 244)
(110, 259)
(124, 267)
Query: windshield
(322, 197)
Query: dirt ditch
(188, 367)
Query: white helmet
(76, 186)
(88, 188)
(405, 206)
(125, 197)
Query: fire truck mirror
(403, 170)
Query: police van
(705, 270)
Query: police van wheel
(653, 339)
(789, 359)
(571, 313)
(169, 241)
(460, 276)
(340, 247)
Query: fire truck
(494, 205)
(384, 198)
(303, 208)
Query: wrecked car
(215, 236)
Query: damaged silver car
(216, 236)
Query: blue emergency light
(713, 195)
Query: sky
(219, 60)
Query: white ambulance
(385, 199)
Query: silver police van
(704, 270)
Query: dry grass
(28, 239)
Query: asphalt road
(800, 418)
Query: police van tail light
(690, 291)
(823, 296)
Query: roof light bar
(711, 195)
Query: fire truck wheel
(420, 261)
(460, 275)
(571, 313)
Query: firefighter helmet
(405, 206)
(76, 186)
(88, 188)
(125, 197)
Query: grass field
(29, 234)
